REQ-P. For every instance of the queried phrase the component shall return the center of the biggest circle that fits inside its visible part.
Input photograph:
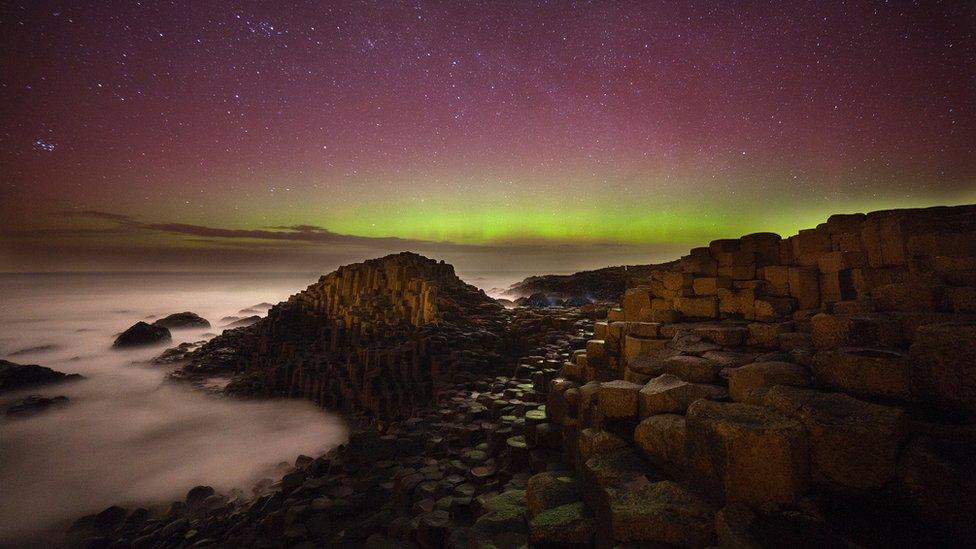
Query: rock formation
(34, 404)
(182, 321)
(141, 334)
(763, 392)
(606, 284)
(241, 322)
(789, 382)
(374, 337)
(15, 377)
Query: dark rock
(196, 496)
(37, 349)
(35, 404)
(241, 322)
(182, 321)
(538, 300)
(141, 334)
(177, 354)
(14, 377)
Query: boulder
(14, 377)
(182, 321)
(750, 453)
(142, 334)
(745, 379)
(853, 444)
(864, 371)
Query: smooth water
(127, 436)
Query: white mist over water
(126, 436)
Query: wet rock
(242, 322)
(34, 404)
(15, 377)
(182, 321)
(141, 334)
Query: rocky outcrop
(459, 473)
(34, 404)
(764, 392)
(182, 321)
(374, 337)
(15, 377)
(815, 376)
(141, 334)
(606, 284)
(242, 322)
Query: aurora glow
(642, 127)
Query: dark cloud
(95, 214)
(296, 248)
(306, 233)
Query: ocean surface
(127, 436)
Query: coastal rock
(182, 321)
(242, 322)
(372, 337)
(34, 404)
(14, 377)
(141, 334)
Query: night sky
(212, 134)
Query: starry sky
(217, 134)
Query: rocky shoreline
(816, 390)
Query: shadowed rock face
(372, 337)
(140, 334)
(606, 284)
(14, 377)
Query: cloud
(95, 214)
(302, 233)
